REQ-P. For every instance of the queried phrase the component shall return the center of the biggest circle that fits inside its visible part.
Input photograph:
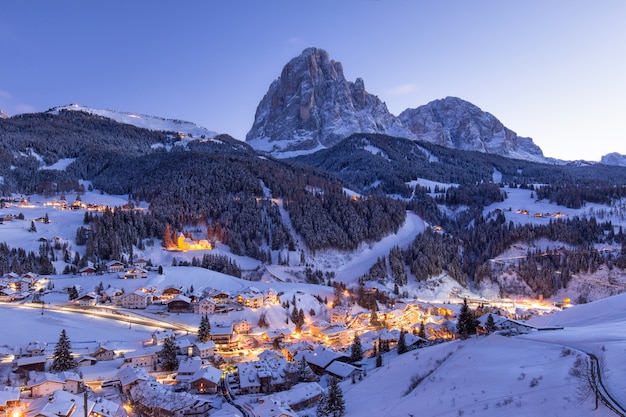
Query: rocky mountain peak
(3, 114)
(458, 124)
(312, 106)
(614, 158)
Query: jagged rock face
(3, 114)
(614, 158)
(458, 124)
(312, 106)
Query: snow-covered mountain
(312, 106)
(614, 158)
(3, 114)
(458, 124)
(188, 129)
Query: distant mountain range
(311, 106)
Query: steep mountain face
(458, 124)
(614, 158)
(312, 106)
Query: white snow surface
(145, 121)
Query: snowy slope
(145, 122)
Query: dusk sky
(551, 70)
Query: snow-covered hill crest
(188, 129)
(458, 124)
(312, 106)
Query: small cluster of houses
(136, 271)
(15, 287)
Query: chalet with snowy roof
(152, 398)
(59, 404)
(179, 304)
(131, 376)
(262, 376)
(206, 306)
(9, 397)
(204, 350)
(220, 297)
(337, 334)
(242, 327)
(270, 296)
(339, 315)
(135, 300)
(107, 408)
(26, 364)
(7, 294)
(159, 336)
(87, 300)
(187, 369)
(142, 358)
(44, 383)
(115, 266)
(300, 396)
(170, 292)
(206, 381)
(316, 328)
(87, 271)
(86, 361)
(103, 353)
(133, 273)
(272, 409)
(140, 263)
(251, 298)
(321, 357)
(223, 335)
(31, 349)
(342, 371)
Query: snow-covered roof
(9, 394)
(209, 373)
(340, 369)
(131, 374)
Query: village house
(87, 300)
(342, 371)
(9, 398)
(87, 271)
(321, 358)
(299, 397)
(114, 266)
(251, 297)
(204, 350)
(206, 381)
(339, 315)
(102, 353)
(107, 408)
(220, 297)
(206, 306)
(43, 383)
(272, 409)
(262, 376)
(270, 296)
(133, 273)
(242, 327)
(140, 263)
(169, 292)
(26, 364)
(188, 368)
(152, 398)
(147, 357)
(224, 337)
(60, 404)
(179, 304)
(86, 361)
(135, 300)
(7, 294)
(159, 336)
(130, 377)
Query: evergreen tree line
(218, 263)
(19, 261)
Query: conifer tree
(204, 330)
(490, 324)
(169, 361)
(402, 343)
(331, 404)
(356, 352)
(379, 356)
(466, 322)
(422, 332)
(62, 358)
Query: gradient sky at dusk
(551, 70)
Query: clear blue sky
(551, 70)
